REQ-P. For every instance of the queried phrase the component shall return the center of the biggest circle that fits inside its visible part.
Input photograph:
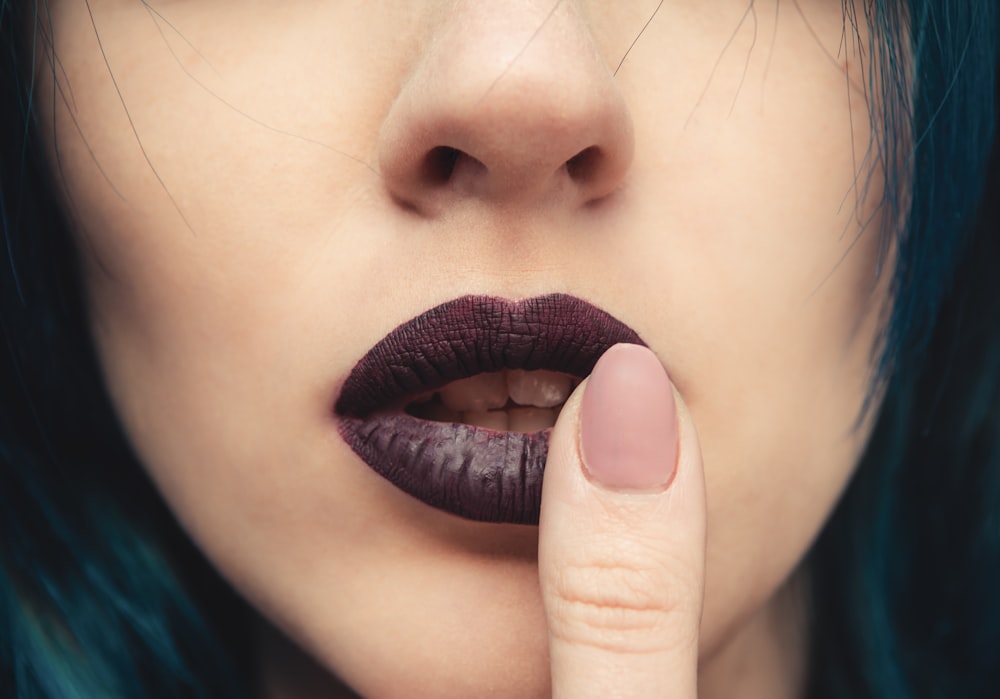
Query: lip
(473, 472)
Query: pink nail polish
(628, 422)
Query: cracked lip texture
(473, 472)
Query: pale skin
(243, 179)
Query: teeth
(512, 420)
(491, 419)
(508, 401)
(476, 393)
(542, 389)
(530, 419)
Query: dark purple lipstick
(474, 472)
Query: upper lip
(470, 471)
(475, 334)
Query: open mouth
(512, 400)
(455, 406)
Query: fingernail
(628, 421)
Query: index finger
(622, 536)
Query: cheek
(757, 234)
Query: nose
(510, 102)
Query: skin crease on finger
(228, 169)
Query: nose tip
(507, 109)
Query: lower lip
(473, 472)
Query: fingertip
(628, 421)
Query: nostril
(439, 164)
(585, 164)
(551, 127)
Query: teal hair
(905, 575)
(101, 594)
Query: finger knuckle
(619, 606)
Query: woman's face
(262, 191)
